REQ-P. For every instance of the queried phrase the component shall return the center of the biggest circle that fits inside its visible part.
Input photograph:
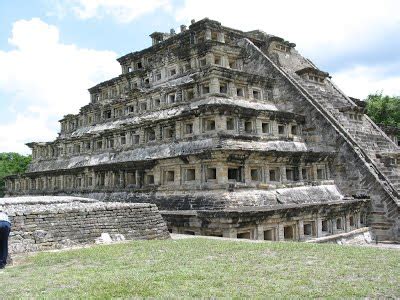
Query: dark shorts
(5, 228)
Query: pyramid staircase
(368, 141)
(371, 140)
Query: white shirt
(4, 217)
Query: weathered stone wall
(43, 223)
(225, 199)
(354, 171)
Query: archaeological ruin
(229, 133)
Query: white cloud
(319, 28)
(24, 128)
(359, 81)
(123, 11)
(46, 79)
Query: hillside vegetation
(383, 109)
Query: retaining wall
(43, 223)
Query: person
(5, 227)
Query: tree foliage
(384, 109)
(12, 163)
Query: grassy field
(205, 268)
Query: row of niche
(168, 99)
(169, 72)
(217, 173)
(178, 130)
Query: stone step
(382, 226)
(384, 171)
(376, 212)
(380, 218)
(383, 235)
(391, 175)
(377, 206)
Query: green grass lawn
(205, 268)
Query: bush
(12, 163)
(384, 109)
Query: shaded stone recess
(294, 222)
(44, 223)
(214, 118)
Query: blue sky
(93, 33)
(51, 51)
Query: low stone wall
(43, 223)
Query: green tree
(12, 163)
(384, 109)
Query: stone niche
(50, 222)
